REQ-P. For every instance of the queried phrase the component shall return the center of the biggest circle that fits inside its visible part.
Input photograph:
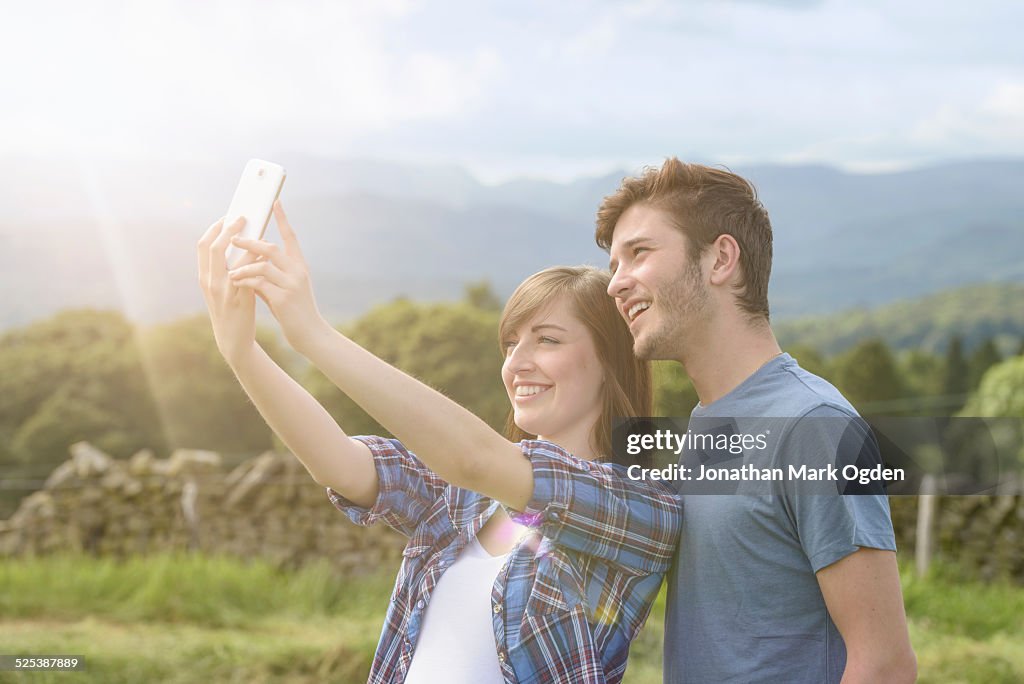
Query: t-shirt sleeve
(407, 489)
(831, 519)
(594, 508)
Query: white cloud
(990, 126)
(165, 73)
(594, 41)
(551, 86)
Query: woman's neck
(579, 445)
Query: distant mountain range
(124, 235)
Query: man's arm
(863, 596)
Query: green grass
(188, 618)
(965, 631)
(203, 590)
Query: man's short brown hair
(703, 203)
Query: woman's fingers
(266, 290)
(218, 259)
(262, 248)
(284, 227)
(245, 259)
(203, 249)
(264, 269)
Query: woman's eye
(549, 340)
(507, 345)
(637, 250)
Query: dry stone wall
(267, 507)
(984, 535)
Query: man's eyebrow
(635, 241)
(613, 264)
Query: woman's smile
(527, 392)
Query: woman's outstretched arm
(330, 456)
(453, 442)
(456, 445)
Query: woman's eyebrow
(547, 325)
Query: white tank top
(456, 643)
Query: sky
(545, 89)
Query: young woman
(529, 559)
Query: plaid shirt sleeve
(594, 508)
(407, 489)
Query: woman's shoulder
(627, 474)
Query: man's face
(658, 288)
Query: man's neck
(727, 353)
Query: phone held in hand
(254, 198)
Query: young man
(789, 588)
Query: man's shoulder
(799, 392)
(780, 389)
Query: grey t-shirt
(744, 604)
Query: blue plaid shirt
(572, 595)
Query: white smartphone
(254, 198)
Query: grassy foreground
(186, 618)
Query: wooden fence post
(925, 532)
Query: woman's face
(553, 376)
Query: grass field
(200, 619)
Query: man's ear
(726, 265)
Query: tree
(75, 375)
(482, 296)
(1001, 392)
(868, 374)
(1000, 395)
(923, 373)
(674, 394)
(451, 347)
(955, 374)
(91, 375)
(201, 403)
(982, 358)
(68, 416)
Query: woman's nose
(519, 359)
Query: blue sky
(528, 88)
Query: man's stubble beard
(683, 305)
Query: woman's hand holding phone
(280, 277)
(232, 309)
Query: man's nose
(620, 283)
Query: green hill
(974, 312)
